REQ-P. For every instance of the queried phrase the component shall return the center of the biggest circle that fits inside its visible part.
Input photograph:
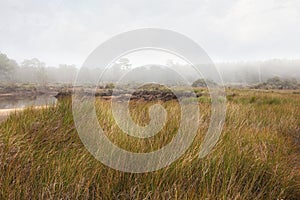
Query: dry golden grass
(257, 157)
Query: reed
(257, 156)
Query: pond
(23, 102)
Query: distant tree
(67, 67)
(33, 63)
(124, 63)
(40, 69)
(42, 76)
(7, 66)
(119, 67)
(67, 73)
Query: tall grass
(257, 157)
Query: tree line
(35, 71)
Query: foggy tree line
(35, 71)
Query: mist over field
(243, 73)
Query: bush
(278, 83)
(203, 83)
(109, 86)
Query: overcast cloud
(60, 31)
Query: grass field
(257, 156)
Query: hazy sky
(61, 31)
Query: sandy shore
(4, 113)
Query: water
(23, 102)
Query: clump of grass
(273, 101)
(204, 99)
(259, 98)
(253, 99)
(42, 157)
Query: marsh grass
(257, 157)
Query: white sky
(61, 31)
